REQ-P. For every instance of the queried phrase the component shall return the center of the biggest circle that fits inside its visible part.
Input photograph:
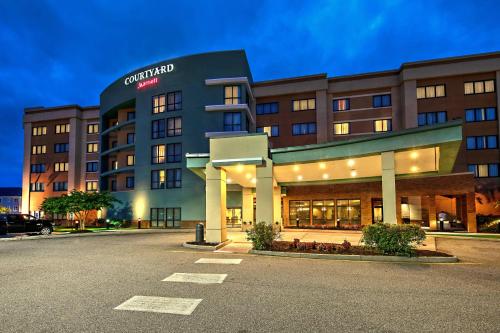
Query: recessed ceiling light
(414, 155)
(229, 180)
(248, 175)
(414, 168)
(353, 173)
(299, 177)
(350, 163)
(296, 168)
(239, 168)
(254, 180)
(325, 176)
(322, 165)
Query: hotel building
(196, 139)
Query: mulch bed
(203, 243)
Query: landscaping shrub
(262, 236)
(393, 239)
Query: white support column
(215, 204)
(389, 187)
(247, 204)
(264, 193)
(277, 205)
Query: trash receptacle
(200, 233)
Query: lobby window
(232, 95)
(323, 212)
(482, 142)
(173, 217)
(37, 168)
(304, 104)
(159, 103)
(157, 179)
(431, 91)
(92, 128)
(129, 182)
(342, 104)
(382, 125)
(479, 87)
(130, 160)
(174, 178)
(232, 121)
(174, 126)
(272, 131)
(158, 129)
(303, 128)
(480, 114)
(431, 118)
(299, 210)
(40, 130)
(267, 108)
(61, 147)
(37, 187)
(130, 115)
(91, 185)
(380, 101)
(341, 128)
(130, 138)
(59, 186)
(158, 154)
(61, 166)
(174, 101)
(484, 170)
(92, 147)
(38, 149)
(62, 128)
(174, 152)
(349, 211)
(92, 166)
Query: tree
(79, 203)
(4, 210)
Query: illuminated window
(431, 118)
(114, 165)
(158, 129)
(341, 104)
(92, 147)
(382, 125)
(479, 87)
(489, 86)
(159, 104)
(60, 166)
(38, 149)
(158, 154)
(174, 178)
(484, 170)
(61, 147)
(341, 128)
(37, 187)
(174, 126)
(348, 212)
(130, 160)
(91, 185)
(303, 128)
(232, 95)
(431, 91)
(92, 166)
(40, 130)
(420, 92)
(380, 101)
(232, 121)
(174, 152)
(59, 186)
(92, 128)
(63, 128)
(174, 101)
(271, 131)
(130, 182)
(157, 179)
(304, 104)
(267, 108)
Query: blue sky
(63, 52)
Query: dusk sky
(56, 53)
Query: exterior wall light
(296, 168)
(414, 155)
(414, 168)
(322, 165)
(350, 163)
(239, 168)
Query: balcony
(118, 126)
(118, 148)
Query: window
(232, 95)
(267, 108)
(114, 165)
(174, 178)
(92, 147)
(484, 170)
(341, 104)
(299, 212)
(158, 129)
(114, 144)
(174, 126)
(380, 101)
(159, 104)
(92, 166)
(271, 131)
(232, 121)
(173, 217)
(482, 142)
(157, 179)
(92, 128)
(130, 138)
(158, 154)
(37, 168)
(113, 185)
(349, 211)
(61, 147)
(341, 128)
(130, 160)
(479, 87)
(323, 212)
(129, 182)
(174, 101)
(303, 128)
(431, 91)
(91, 185)
(37, 187)
(431, 118)
(40, 130)
(157, 217)
(304, 104)
(382, 125)
(61, 166)
(174, 152)
(480, 114)
(39, 149)
(130, 115)
(59, 186)
(63, 128)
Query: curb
(357, 257)
(206, 247)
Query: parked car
(24, 223)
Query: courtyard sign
(149, 73)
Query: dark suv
(24, 223)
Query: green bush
(393, 239)
(262, 236)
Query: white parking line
(196, 278)
(181, 306)
(218, 261)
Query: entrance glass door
(377, 211)
(233, 217)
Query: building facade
(10, 198)
(154, 123)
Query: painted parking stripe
(181, 306)
(196, 278)
(218, 261)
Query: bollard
(200, 233)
